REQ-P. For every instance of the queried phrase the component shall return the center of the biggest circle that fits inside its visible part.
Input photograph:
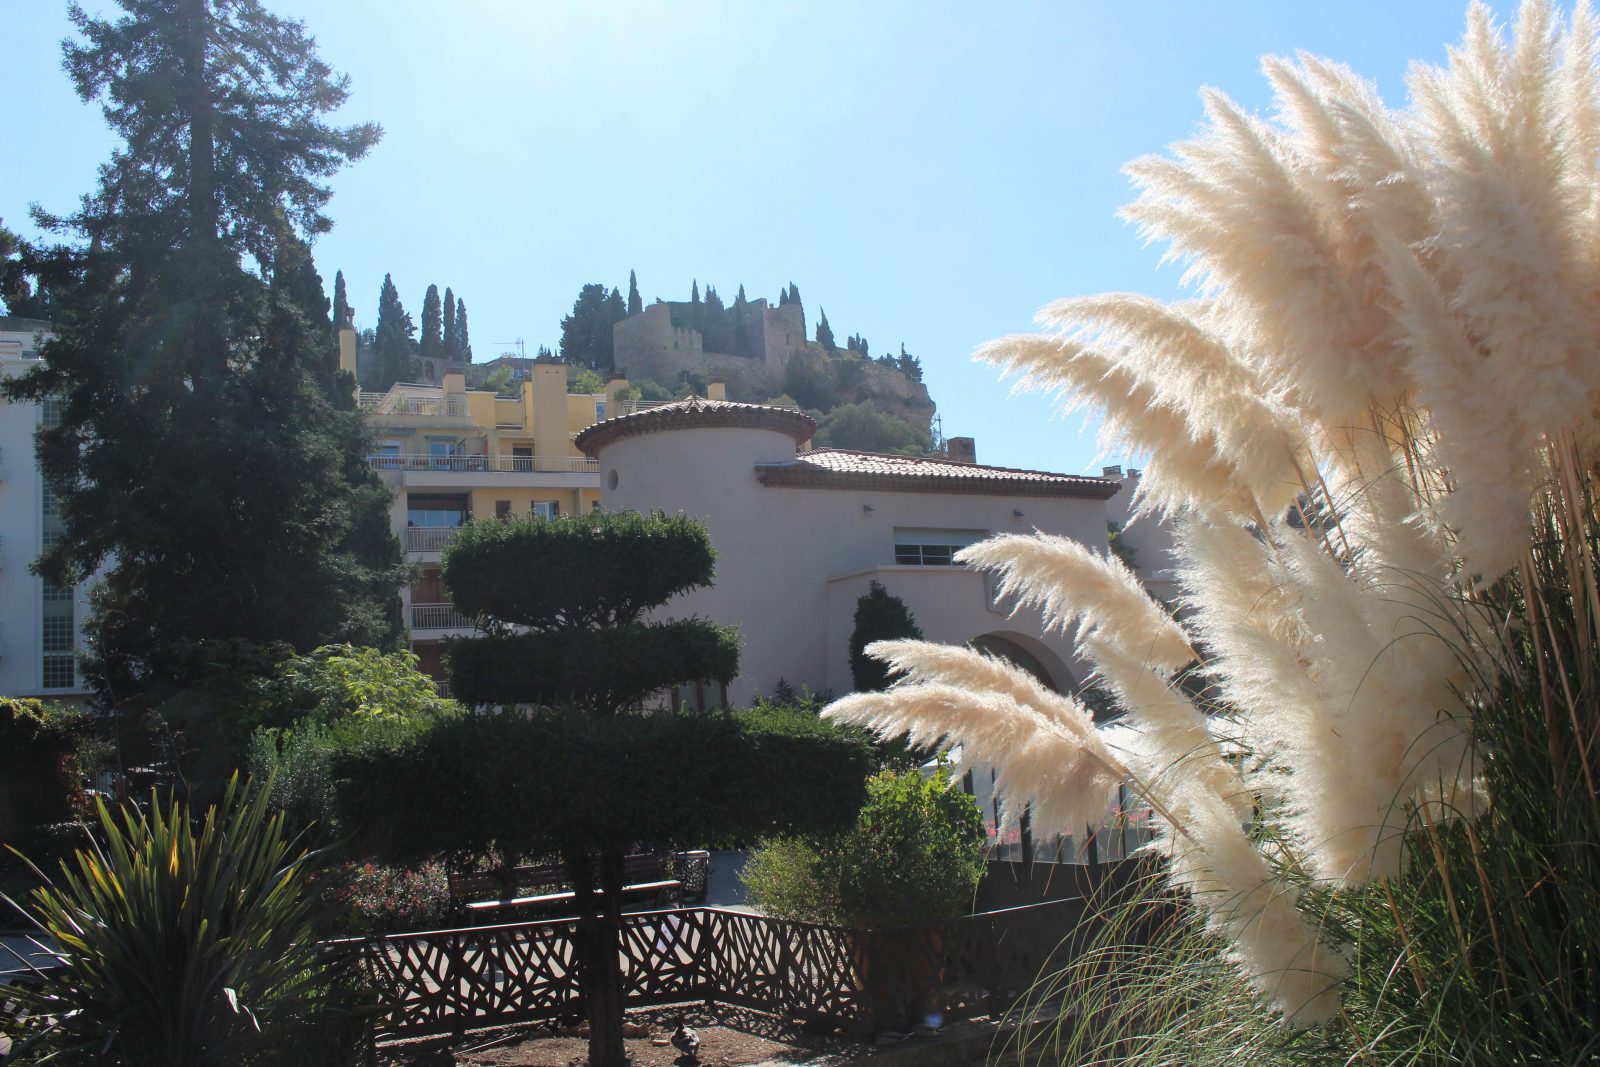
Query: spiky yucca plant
(1387, 378)
(178, 945)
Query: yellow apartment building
(453, 454)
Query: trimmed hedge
(577, 571)
(594, 669)
(525, 785)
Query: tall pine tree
(452, 347)
(825, 332)
(463, 338)
(694, 291)
(395, 345)
(635, 301)
(341, 302)
(205, 457)
(432, 325)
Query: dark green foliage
(909, 365)
(396, 345)
(811, 384)
(463, 336)
(600, 669)
(594, 569)
(915, 855)
(880, 616)
(825, 332)
(635, 301)
(694, 291)
(533, 787)
(188, 942)
(432, 345)
(341, 302)
(863, 427)
(586, 333)
(202, 431)
(39, 777)
(448, 337)
(716, 332)
(794, 293)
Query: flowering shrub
(375, 899)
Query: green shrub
(182, 945)
(914, 856)
(375, 899)
(40, 780)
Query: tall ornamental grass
(1374, 423)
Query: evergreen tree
(716, 334)
(432, 346)
(909, 365)
(341, 302)
(395, 345)
(586, 333)
(740, 298)
(452, 347)
(794, 293)
(694, 291)
(635, 302)
(783, 298)
(274, 532)
(585, 774)
(880, 616)
(463, 337)
(825, 332)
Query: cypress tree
(880, 616)
(635, 302)
(794, 293)
(825, 332)
(694, 291)
(432, 325)
(452, 347)
(395, 344)
(341, 302)
(463, 338)
(715, 335)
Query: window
(502, 510)
(599, 411)
(50, 411)
(60, 672)
(521, 458)
(58, 633)
(932, 548)
(425, 511)
(546, 509)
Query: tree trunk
(599, 923)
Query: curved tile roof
(697, 413)
(834, 468)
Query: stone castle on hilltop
(664, 343)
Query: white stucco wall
(21, 524)
(791, 562)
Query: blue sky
(929, 173)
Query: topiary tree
(581, 771)
(880, 616)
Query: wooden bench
(653, 877)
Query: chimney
(961, 449)
(615, 384)
(1113, 471)
(716, 389)
(347, 350)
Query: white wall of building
(792, 562)
(22, 611)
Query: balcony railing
(417, 461)
(428, 538)
(414, 404)
(437, 617)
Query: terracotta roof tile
(697, 413)
(833, 468)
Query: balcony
(428, 538)
(438, 617)
(401, 405)
(474, 464)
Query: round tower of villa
(695, 456)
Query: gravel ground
(729, 1037)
